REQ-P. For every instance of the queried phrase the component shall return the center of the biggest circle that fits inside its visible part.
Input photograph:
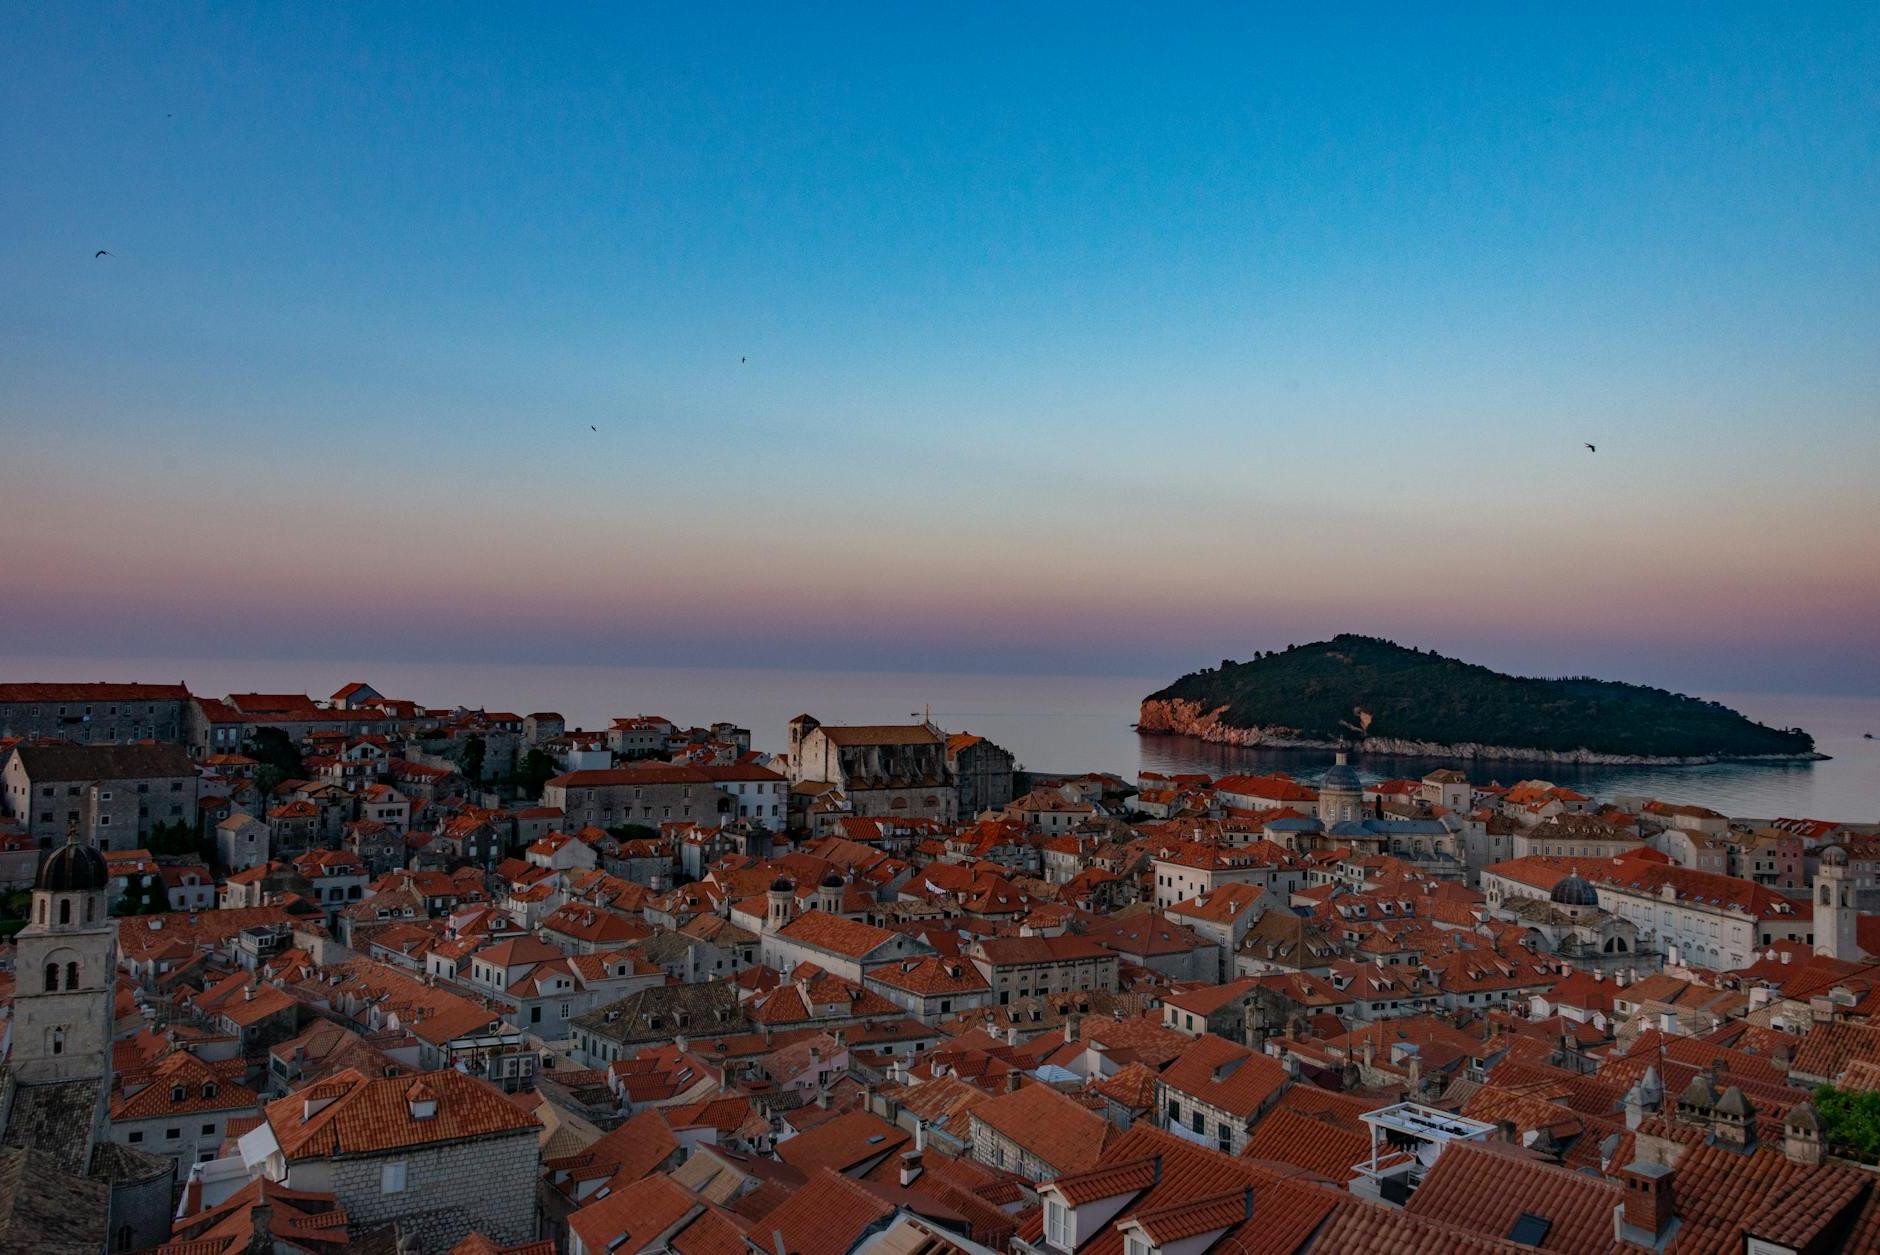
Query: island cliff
(1379, 697)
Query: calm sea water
(1053, 723)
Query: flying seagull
(1591, 449)
(593, 428)
(100, 253)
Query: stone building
(115, 794)
(982, 773)
(440, 1153)
(1038, 1133)
(94, 713)
(656, 793)
(895, 770)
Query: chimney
(1650, 1208)
(1011, 1081)
(910, 1168)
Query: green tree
(470, 758)
(149, 898)
(175, 837)
(278, 756)
(534, 770)
(1850, 1121)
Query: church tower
(1835, 915)
(781, 904)
(65, 968)
(1341, 794)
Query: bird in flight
(593, 428)
(100, 253)
(1591, 449)
(743, 360)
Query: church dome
(1341, 778)
(782, 885)
(1574, 890)
(1834, 856)
(74, 868)
(832, 881)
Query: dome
(832, 881)
(781, 885)
(74, 868)
(1834, 856)
(1341, 778)
(1574, 890)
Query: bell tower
(1835, 914)
(64, 972)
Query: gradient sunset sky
(1080, 338)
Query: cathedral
(55, 1086)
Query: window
(208, 1130)
(136, 1137)
(71, 975)
(1057, 1224)
(392, 1178)
(171, 1135)
(1134, 1244)
(52, 978)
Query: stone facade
(92, 714)
(982, 774)
(892, 770)
(486, 1185)
(115, 794)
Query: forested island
(1370, 694)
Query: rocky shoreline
(1181, 717)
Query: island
(1372, 695)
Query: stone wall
(486, 1185)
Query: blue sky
(1298, 320)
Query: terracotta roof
(93, 692)
(1317, 1144)
(825, 1217)
(1045, 1123)
(880, 734)
(847, 937)
(1487, 1189)
(364, 1116)
(1221, 1074)
(845, 1143)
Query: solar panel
(1530, 1229)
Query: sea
(1053, 723)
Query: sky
(1066, 339)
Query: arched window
(90, 905)
(42, 910)
(71, 974)
(52, 978)
(126, 1237)
(65, 910)
(58, 1041)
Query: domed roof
(831, 880)
(781, 885)
(1834, 856)
(1341, 777)
(1574, 890)
(73, 868)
